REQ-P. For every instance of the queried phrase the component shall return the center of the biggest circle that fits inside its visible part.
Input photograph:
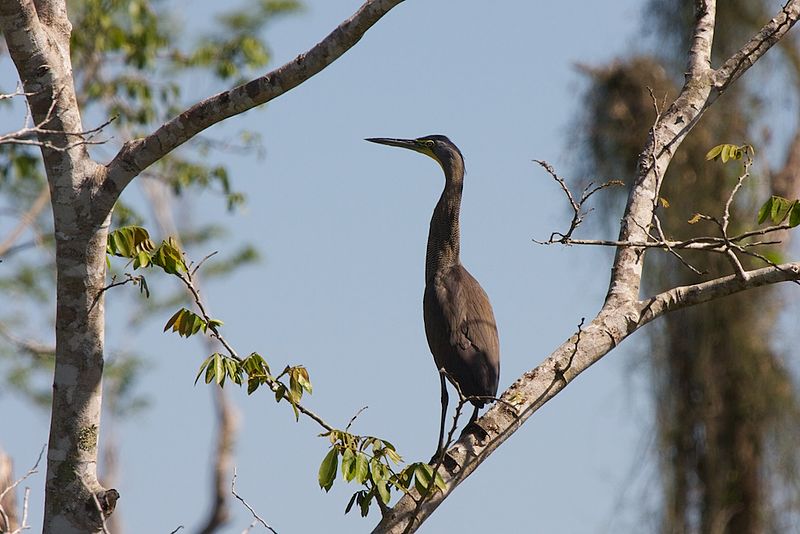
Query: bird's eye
(429, 144)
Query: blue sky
(341, 225)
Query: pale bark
(623, 312)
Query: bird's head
(438, 147)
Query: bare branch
(757, 46)
(577, 205)
(256, 517)
(6, 521)
(353, 419)
(37, 135)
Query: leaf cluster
(372, 462)
(778, 209)
(726, 152)
(134, 243)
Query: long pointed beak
(402, 143)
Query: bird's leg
(445, 399)
(470, 426)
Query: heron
(459, 321)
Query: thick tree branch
(699, 62)
(137, 155)
(685, 296)
(757, 46)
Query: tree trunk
(73, 494)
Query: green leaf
(725, 154)
(780, 209)
(377, 470)
(143, 287)
(173, 319)
(714, 152)
(361, 468)
(794, 214)
(406, 476)
(439, 482)
(141, 260)
(203, 367)
(363, 502)
(234, 371)
(211, 369)
(383, 491)
(303, 378)
(252, 385)
(765, 210)
(185, 323)
(392, 454)
(327, 469)
(169, 257)
(219, 369)
(351, 502)
(422, 477)
(348, 464)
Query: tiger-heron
(459, 322)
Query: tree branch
(757, 46)
(699, 62)
(137, 155)
(685, 296)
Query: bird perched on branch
(459, 322)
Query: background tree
(724, 398)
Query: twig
(129, 279)
(194, 271)
(256, 517)
(671, 250)
(32, 471)
(24, 136)
(100, 511)
(576, 205)
(179, 527)
(353, 419)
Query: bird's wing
(472, 329)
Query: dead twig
(256, 517)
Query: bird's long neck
(444, 241)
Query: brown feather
(461, 332)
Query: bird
(459, 322)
